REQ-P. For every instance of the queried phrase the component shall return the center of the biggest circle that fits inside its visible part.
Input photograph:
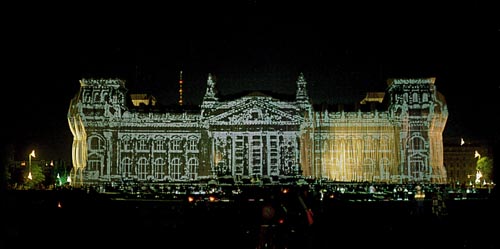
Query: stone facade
(258, 136)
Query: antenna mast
(180, 88)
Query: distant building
(460, 159)
(258, 136)
(139, 99)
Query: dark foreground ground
(73, 219)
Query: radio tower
(180, 88)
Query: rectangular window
(176, 145)
(192, 145)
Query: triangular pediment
(254, 110)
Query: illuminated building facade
(258, 136)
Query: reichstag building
(258, 136)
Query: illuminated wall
(402, 144)
(258, 136)
(353, 146)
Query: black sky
(251, 48)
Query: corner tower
(420, 112)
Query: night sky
(341, 55)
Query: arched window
(96, 143)
(94, 166)
(353, 169)
(368, 169)
(192, 167)
(126, 167)
(384, 169)
(415, 97)
(97, 96)
(142, 165)
(417, 144)
(158, 167)
(175, 169)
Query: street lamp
(478, 173)
(32, 154)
